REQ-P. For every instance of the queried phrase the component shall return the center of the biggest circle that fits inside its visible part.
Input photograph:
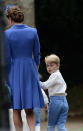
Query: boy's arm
(49, 83)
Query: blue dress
(22, 59)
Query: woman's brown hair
(16, 14)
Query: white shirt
(55, 84)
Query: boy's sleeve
(49, 83)
(45, 97)
(36, 50)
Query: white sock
(37, 128)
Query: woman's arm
(7, 54)
(36, 50)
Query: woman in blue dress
(23, 59)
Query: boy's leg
(37, 116)
(63, 117)
(51, 128)
(52, 114)
(62, 128)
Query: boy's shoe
(37, 128)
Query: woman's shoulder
(7, 33)
(8, 30)
(33, 29)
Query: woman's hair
(52, 58)
(16, 14)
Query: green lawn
(81, 129)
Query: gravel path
(72, 125)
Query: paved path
(72, 124)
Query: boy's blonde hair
(52, 58)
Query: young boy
(58, 106)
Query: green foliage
(60, 27)
(81, 129)
(75, 99)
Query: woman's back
(21, 40)
(23, 54)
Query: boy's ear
(58, 65)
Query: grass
(80, 129)
(76, 102)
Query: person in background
(22, 61)
(58, 105)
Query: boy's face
(52, 67)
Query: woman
(23, 58)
